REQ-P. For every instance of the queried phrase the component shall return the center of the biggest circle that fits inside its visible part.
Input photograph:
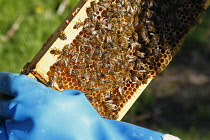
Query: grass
(189, 134)
(40, 20)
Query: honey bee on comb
(78, 24)
(62, 35)
(118, 49)
(55, 51)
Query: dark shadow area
(180, 95)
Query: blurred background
(177, 101)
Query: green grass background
(41, 20)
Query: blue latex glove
(37, 112)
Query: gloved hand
(37, 112)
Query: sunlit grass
(40, 20)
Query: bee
(149, 14)
(97, 54)
(120, 90)
(111, 106)
(107, 81)
(91, 99)
(70, 68)
(130, 58)
(135, 36)
(157, 52)
(147, 69)
(151, 29)
(142, 71)
(134, 79)
(74, 58)
(133, 8)
(81, 82)
(56, 68)
(114, 117)
(98, 25)
(136, 21)
(109, 9)
(109, 25)
(87, 30)
(130, 66)
(89, 12)
(67, 22)
(87, 76)
(149, 22)
(63, 60)
(73, 48)
(144, 81)
(74, 72)
(62, 35)
(134, 45)
(88, 23)
(78, 24)
(66, 49)
(82, 57)
(94, 75)
(94, 6)
(104, 75)
(140, 54)
(58, 79)
(106, 95)
(61, 86)
(98, 65)
(80, 39)
(99, 108)
(75, 12)
(128, 8)
(88, 58)
(51, 84)
(149, 51)
(52, 79)
(127, 76)
(91, 85)
(112, 64)
(79, 66)
(83, 71)
(138, 65)
(145, 37)
(96, 88)
(108, 47)
(109, 102)
(55, 52)
(117, 15)
(155, 39)
(104, 31)
(109, 39)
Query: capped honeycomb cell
(116, 49)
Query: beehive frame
(112, 49)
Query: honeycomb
(120, 47)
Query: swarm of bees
(122, 44)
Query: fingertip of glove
(71, 92)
